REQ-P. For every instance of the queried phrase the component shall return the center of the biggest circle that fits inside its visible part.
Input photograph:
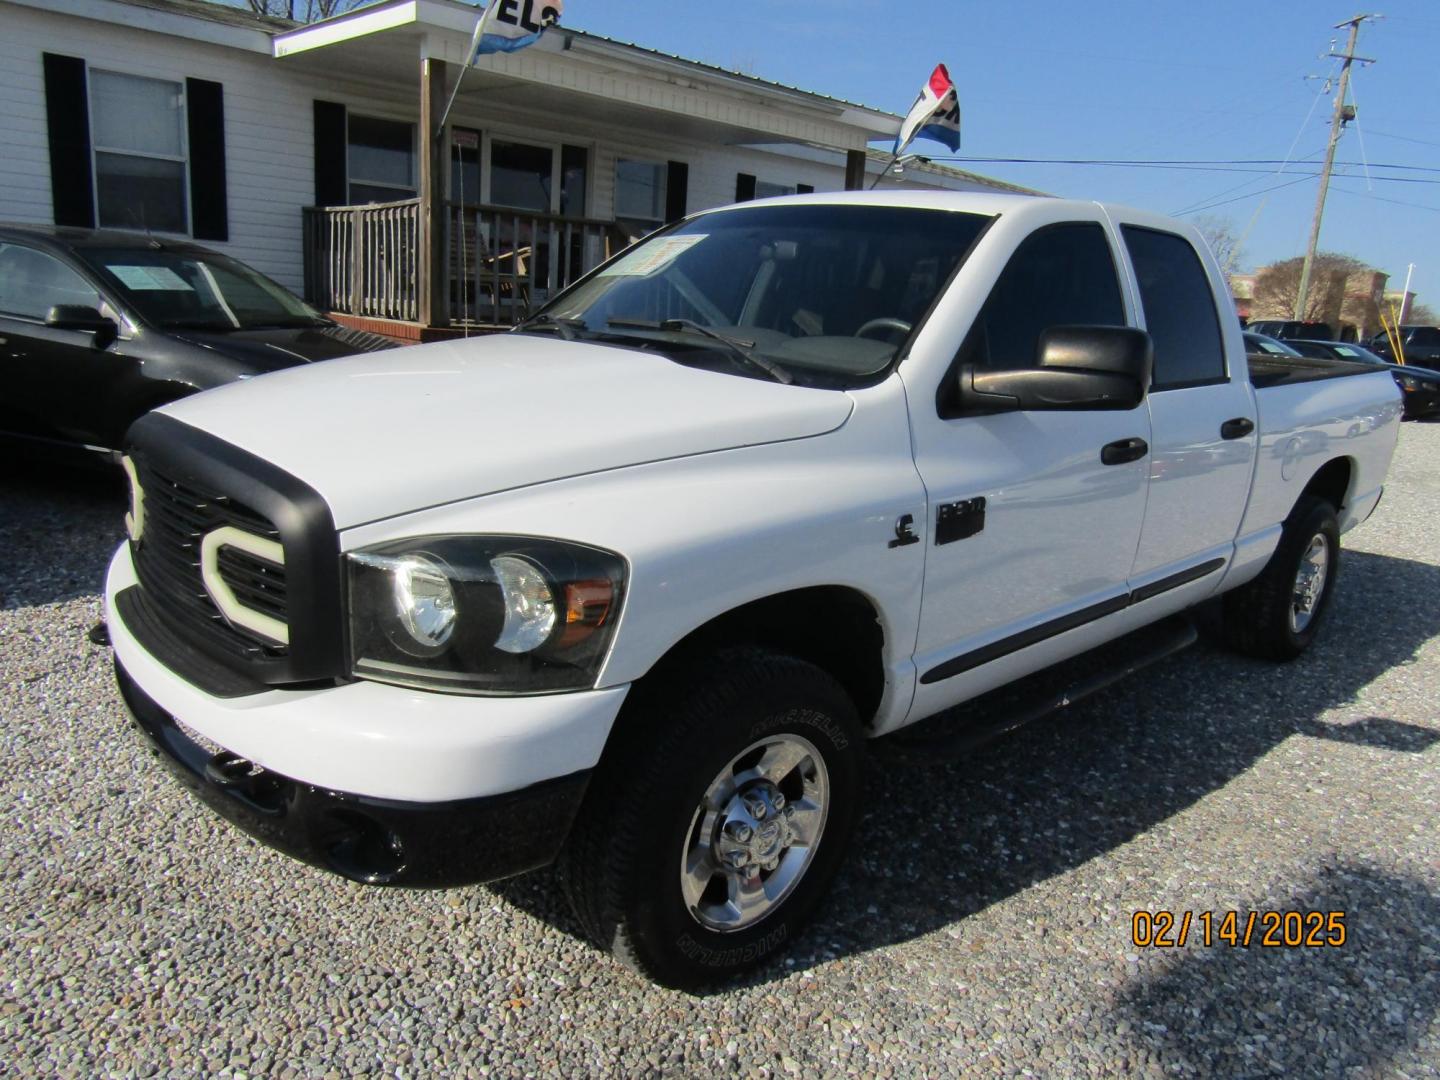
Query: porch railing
(364, 260)
(499, 264)
(502, 263)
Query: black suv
(1421, 346)
(97, 328)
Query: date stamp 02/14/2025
(1239, 929)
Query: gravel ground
(983, 924)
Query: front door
(1051, 546)
(54, 378)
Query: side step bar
(970, 725)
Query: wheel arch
(837, 628)
(1331, 482)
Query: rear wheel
(719, 819)
(1277, 615)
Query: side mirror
(84, 319)
(1077, 367)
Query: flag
(508, 25)
(935, 114)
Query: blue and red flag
(935, 114)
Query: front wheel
(719, 819)
(1277, 615)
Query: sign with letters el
(508, 25)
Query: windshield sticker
(151, 279)
(654, 256)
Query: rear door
(1202, 419)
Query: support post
(855, 170)
(430, 256)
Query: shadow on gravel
(942, 841)
(1228, 1011)
(59, 525)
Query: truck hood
(394, 432)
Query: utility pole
(1344, 112)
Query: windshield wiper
(564, 325)
(742, 350)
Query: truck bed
(1267, 370)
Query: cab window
(1179, 308)
(1063, 275)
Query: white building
(314, 152)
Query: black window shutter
(330, 154)
(205, 119)
(744, 187)
(804, 189)
(67, 119)
(677, 191)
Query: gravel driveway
(983, 925)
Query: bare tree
(1278, 285)
(303, 11)
(1422, 315)
(1219, 233)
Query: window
(764, 189)
(521, 175)
(31, 283)
(640, 193)
(1179, 309)
(1425, 336)
(140, 152)
(1063, 275)
(382, 160)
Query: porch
(427, 223)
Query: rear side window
(1063, 275)
(1179, 309)
(1425, 335)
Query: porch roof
(586, 76)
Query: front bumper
(385, 742)
(376, 841)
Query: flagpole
(469, 62)
(888, 166)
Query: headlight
(483, 614)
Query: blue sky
(1161, 80)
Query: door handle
(1124, 451)
(1237, 428)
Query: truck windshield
(198, 291)
(828, 295)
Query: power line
(1241, 198)
(1206, 163)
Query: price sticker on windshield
(151, 279)
(654, 256)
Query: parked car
(1264, 343)
(1335, 350)
(99, 327)
(631, 586)
(1285, 329)
(1420, 346)
(1420, 386)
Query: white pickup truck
(631, 586)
